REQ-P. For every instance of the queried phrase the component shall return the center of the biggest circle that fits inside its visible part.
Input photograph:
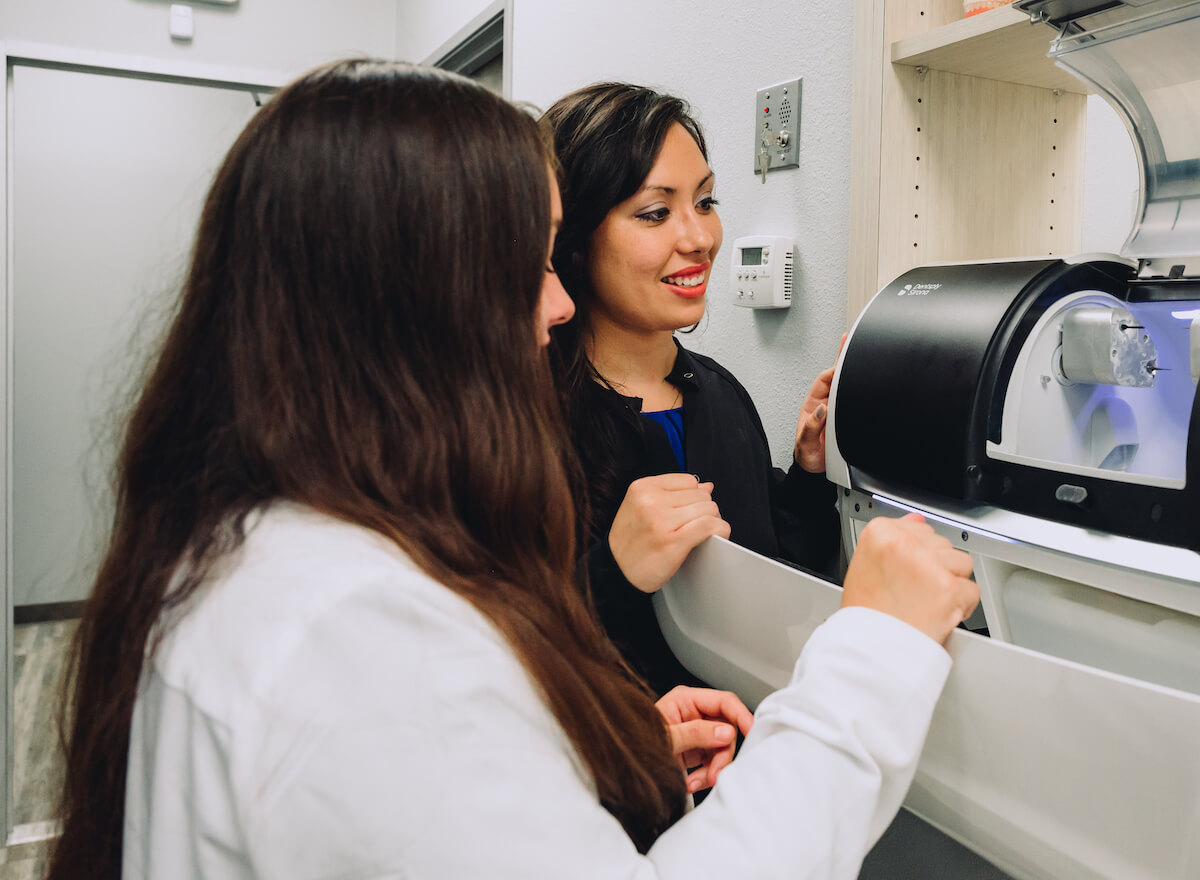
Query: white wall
(716, 54)
(422, 26)
(285, 36)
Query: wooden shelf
(1000, 44)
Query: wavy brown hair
(356, 334)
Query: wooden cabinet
(968, 142)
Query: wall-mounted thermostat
(761, 272)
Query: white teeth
(686, 280)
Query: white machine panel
(1046, 767)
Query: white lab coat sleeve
(405, 739)
(829, 759)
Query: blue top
(672, 423)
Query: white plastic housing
(760, 272)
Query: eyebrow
(670, 190)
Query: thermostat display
(752, 256)
(761, 272)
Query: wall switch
(777, 127)
(180, 24)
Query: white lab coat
(324, 709)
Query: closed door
(109, 173)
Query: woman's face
(554, 305)
(652, 255)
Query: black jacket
(786, 516)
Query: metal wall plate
(777, 125)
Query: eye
(707, 203)
(658, 215)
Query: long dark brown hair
(356, 334)
(606, 138)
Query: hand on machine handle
(701, 722)
(661, 519)
(809, 451)
(903, 568)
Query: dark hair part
(309, 360)
(607, 137)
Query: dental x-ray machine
(1043, 415)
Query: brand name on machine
(918, 289)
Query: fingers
(822, 383)
(809, 451)
(664, 482)
(969, 591)
(692, 534)
(812, 425)
(700, 507)
(700, 735)
(719, 762)
(701, 723)
(902, 567)
(716, 704)
(650, 496)
(705, 748)
(658, 523)
(955, 561)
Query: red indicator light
(766, 109)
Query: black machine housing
(950, 337)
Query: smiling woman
(651, 260)
(636, 249)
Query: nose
(555, 306)
(699, 232)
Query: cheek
(620, 259)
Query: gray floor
(38, 653)
(912, 849)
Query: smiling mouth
(693, 280)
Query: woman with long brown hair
(336, 631)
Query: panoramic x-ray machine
(1042, 414)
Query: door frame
(487, 35)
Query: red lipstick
(689, 291)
